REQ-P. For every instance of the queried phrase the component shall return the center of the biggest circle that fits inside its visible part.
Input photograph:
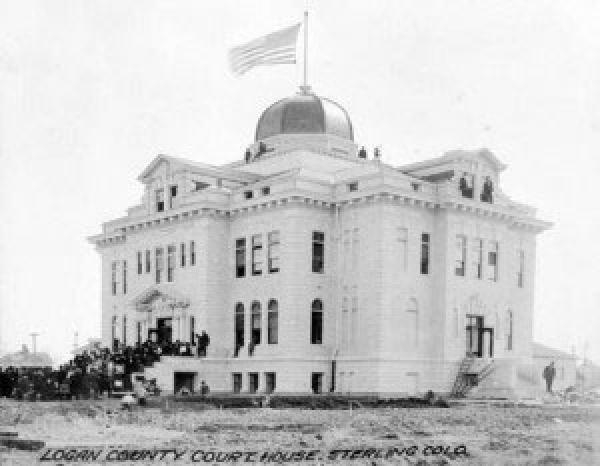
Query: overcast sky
(91, 91)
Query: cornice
(304, 198)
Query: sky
(91, 92)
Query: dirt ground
(470, 434)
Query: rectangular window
(253, 382)
(124, 277)
(160, 200)
(158, 266)
(113, 278)
(273, 252)
(248, 194)
(477, 258)
(269, 382)
(425, 253)
(170, 262)
(237, 382)
(493, 261)
(240, 257)
(148, 260)
(124, 329)
(192, 253)
(318, 252)
(266, 190)
(509, 331)
(521, 273)
(256, 325)
(139, 332)
(182, 254)
(272, 324)
(461, 255)
(172, 195)
(140, 266)
(239, 328)
(465, 185)
(257, 254)
(352, 187)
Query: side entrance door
(474, 336)
(480, 339)
(487, 338)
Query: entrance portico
(162, 315)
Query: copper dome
(304, 113)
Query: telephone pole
(34, 336)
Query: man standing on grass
(549, 374)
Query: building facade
(314, 267)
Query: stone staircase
(470, 374)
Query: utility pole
(34, 336)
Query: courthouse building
(316, 267)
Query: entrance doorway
(316, 382)
(480, 339)
(164, 330)
(184, 381)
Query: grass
(491, 434)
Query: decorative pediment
(165, 166)
(160, 167)
(456, 161)
(155, 299)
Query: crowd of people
(94, 373)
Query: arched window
(239, 325)
(272, 322)
(316, 322)
(255, 322)
(412, 324)
(192, 328)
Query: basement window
(199, 185)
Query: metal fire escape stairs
(470, 373)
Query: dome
(304, 113)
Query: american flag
(277, 48)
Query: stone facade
(391, 324)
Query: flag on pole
(277, 48)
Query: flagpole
(305, 87)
